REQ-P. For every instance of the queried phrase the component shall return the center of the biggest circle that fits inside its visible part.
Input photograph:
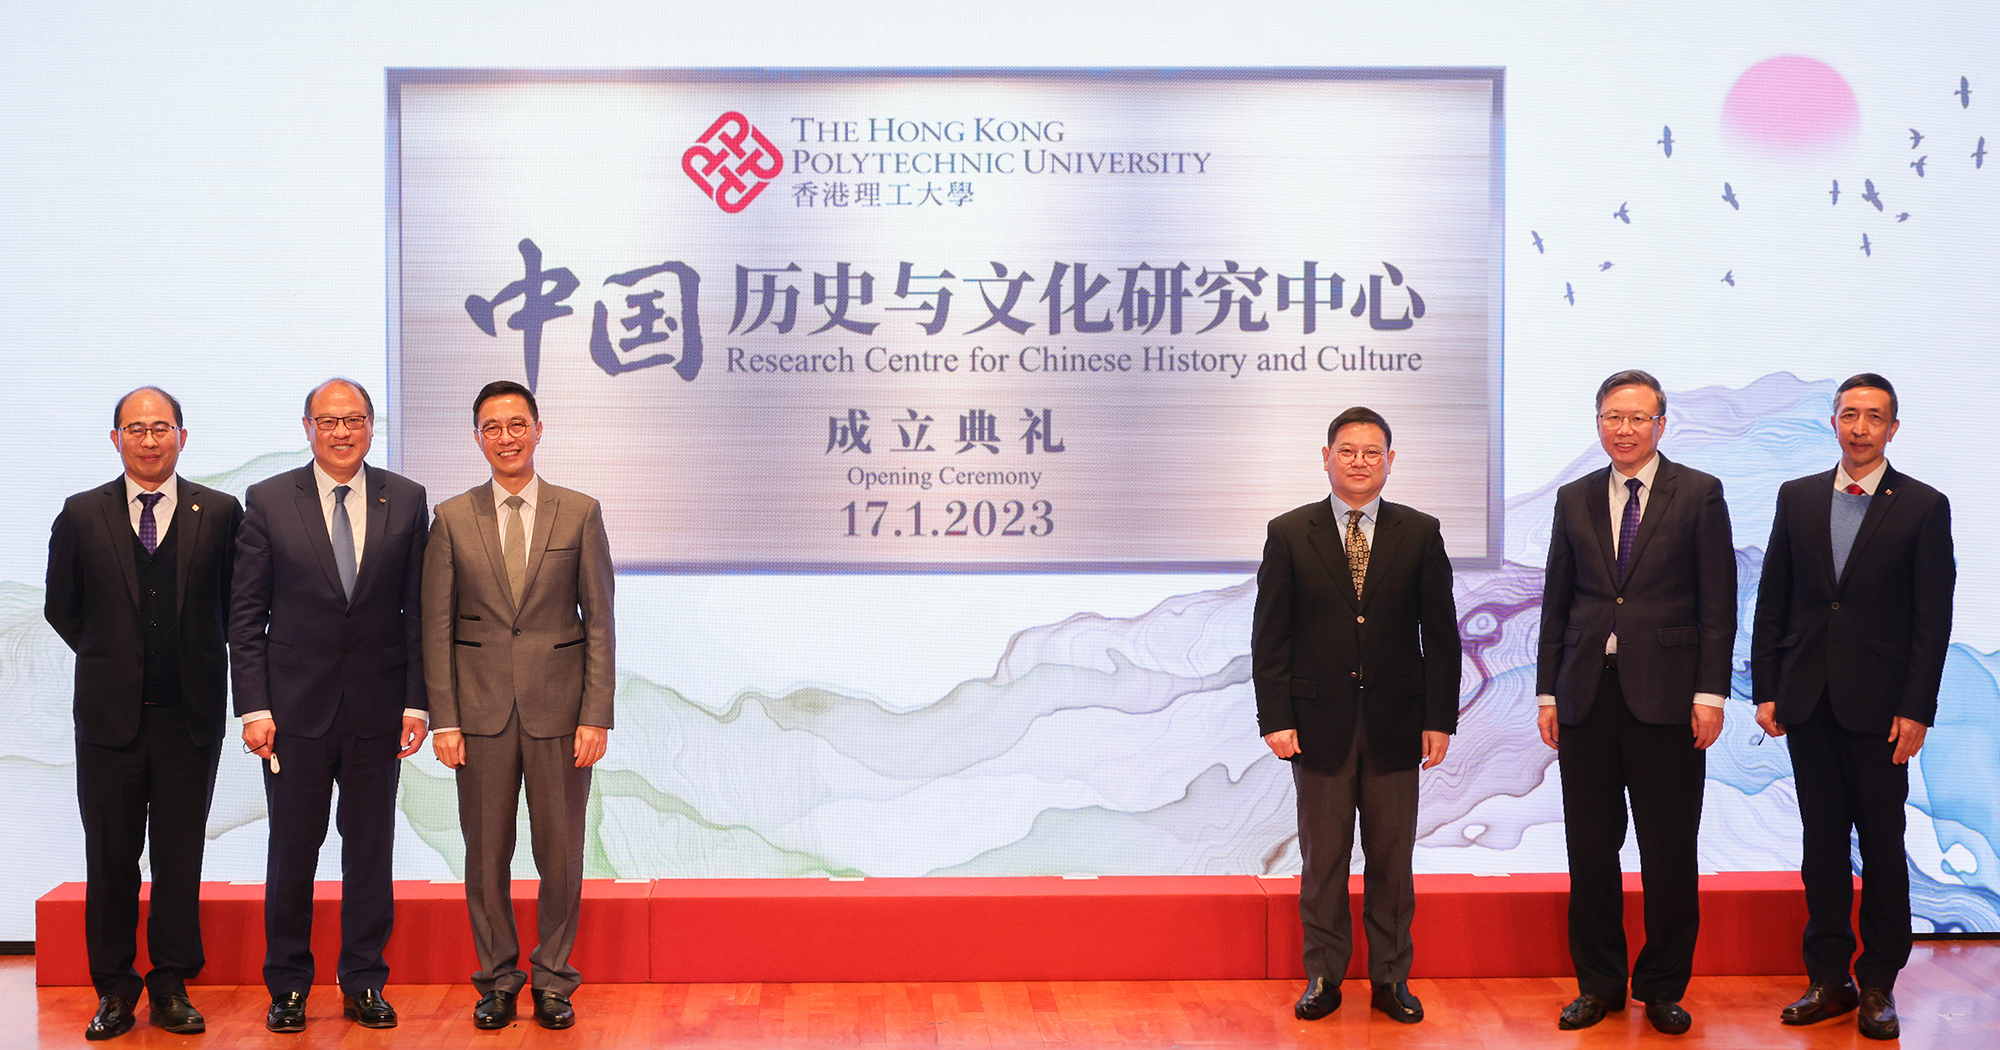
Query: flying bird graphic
(1919, 164)
(1603, 266)
(1915, 137)
(1964, 94)
(1569, 293)
(1667, 140)
(1865, 248)
(1902, 216)
(1869, 195)
(1979, 155)
(1836, 191)
(1729, 278)
(1620, 214)
(1538, 242)
(1729, 195)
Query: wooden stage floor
(1949, 997)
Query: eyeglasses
(1615, 421)
(329, 422)
(1369, 456)
(513, 428)
(136, 431)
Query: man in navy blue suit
(1846, 655)
(1638, 620)
(326, 649)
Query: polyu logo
(732, 162)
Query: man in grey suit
(1638, 617)
(519, 661)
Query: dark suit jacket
(1874, 641)
(1675, 612)
(297, 644)
(93, 603)
(1318, 653)
(553, 657)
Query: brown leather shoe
(1878, 1014)
(1821, 1002)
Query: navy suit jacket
(1319, 653)
(93, 603)
(298, 646)
(1675, 611)
(1872, 641)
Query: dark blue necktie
(149, 529)
(1628, 529)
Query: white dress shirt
(163, 511)
(1620, 495)
(1868, 484)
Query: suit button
(517, 632)
(1620, 601)
(1361, 619)
(1836, 605)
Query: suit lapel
(545, 522)
(118, 519)
(312, 522)
(1388, 536)
(1329, 538)
(1598, 507)
(488, 522)
(1665, 482)
(376, 487)
(1816, 520)
(1878, 508)
(188, 518)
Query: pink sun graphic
(1791, 106)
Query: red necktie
(1855, 490)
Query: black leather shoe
(288, 1013)
(552, 1009)
(1668, 1018)
(1878, 1014)
(1586, 1010)
(175, 1014)
(1396, 1001)
(113, 1018)
(1821, 1001)
(495, 1010)
(369, 1009)
(1321, 997)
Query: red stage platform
(962, 929)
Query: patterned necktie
(1856, 490)
(514, 549)
(342, 534)
(149, 529)
(1628, 529)
(1357, 550)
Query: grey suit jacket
(553, 658)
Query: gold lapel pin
(194, 506)
(1888, 492)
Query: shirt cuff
(1545, 699)
(1708, 699)
(418, 714)
(256, 716)
(444, 729)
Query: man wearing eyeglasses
(1355, 658)
(519, 654)
(1848, 650)
(1638, 619)
(138, 587)
(325, 640)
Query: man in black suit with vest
(1355, 658)
(138, 584)
(1846, 655)
(1638, 620)
(325, 638)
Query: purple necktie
(149, 530)
(1628, 529)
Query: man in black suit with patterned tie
(138, 586)
(1846, 656)
(1638, 619)
(1355, 656)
